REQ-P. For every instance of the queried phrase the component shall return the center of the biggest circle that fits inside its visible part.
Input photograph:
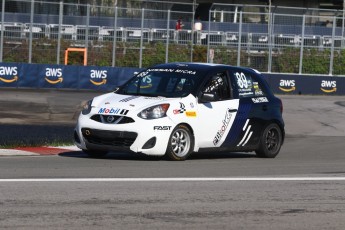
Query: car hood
(127, 102)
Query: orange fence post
(84, 50)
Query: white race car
(178, 108)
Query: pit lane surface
(314, 148)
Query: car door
(252, 111)
(216, 110)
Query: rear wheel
(181, 143)
(95, 153)
(270, 142)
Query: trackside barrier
(306, 84)
(20, 75)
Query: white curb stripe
(71, 147)
(15, 152)
(177, 179)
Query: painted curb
(38, 151)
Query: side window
(180, 86)
(218, 86)
(247, 85)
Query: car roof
(200, 66)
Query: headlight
(154, 112)
(87, 107)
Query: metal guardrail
(217, 38)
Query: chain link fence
(278, 40)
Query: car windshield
(166, 83)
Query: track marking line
(182, 179)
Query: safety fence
(44, 76)
(280, 41)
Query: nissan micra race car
(176, 109)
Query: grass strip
(13, 136)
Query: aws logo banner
(306, 84)
(58, 76)
(53, 75)
(328, 86)
(9, 75)
(93, 77)
(287, 86)
(98, 77)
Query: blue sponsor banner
(58, 76)
(306, 84)
(93, 77)
(104, 78)
(16, 75)
(124, 74)
(28, 76)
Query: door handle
(232, 110)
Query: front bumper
(139, 136)
(118, 139)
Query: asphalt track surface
(302, 188)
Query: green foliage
(200, 54)
(100, 54)
(339, 63)
(224, 55)
(316, 61)
(284, 60)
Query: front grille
(111, 119)
(111, 138)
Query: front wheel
(270, 142)
(181, 143)
(95, 153)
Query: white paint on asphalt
(14, 152)
(67, 147)
(182, 179)
(22, 152)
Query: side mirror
(207, 97)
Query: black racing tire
(95, 153)
(270, 142)
(181, 143)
